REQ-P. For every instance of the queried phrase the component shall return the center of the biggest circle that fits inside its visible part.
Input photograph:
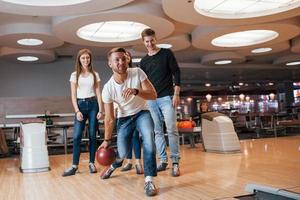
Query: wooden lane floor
(271, 161)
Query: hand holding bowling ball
(105, 156)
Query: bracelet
(77, 111)
(176, 94)
(107, 140)
(136, 91)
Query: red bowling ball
(106, 156)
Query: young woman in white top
(86, 100)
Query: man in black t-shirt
(162, 70)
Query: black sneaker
(127, 167)
(92, 168)
(139, 169)
(150, 189)
(175, 170)
(106, 172)
(71, 171)
(162, 166)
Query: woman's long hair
(78, 66)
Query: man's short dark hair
(147, 32)
(116, 49)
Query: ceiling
(178, 24)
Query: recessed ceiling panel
(148, 14)
(222, 58)
(288, 60)
(24, 35)
(265, 50)
(238, 9)
(27, 56)
(57, 8)
(202, 38)
(296, 45)
(225, 9)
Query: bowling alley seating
(218, 133)
(33, 151)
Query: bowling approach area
(274, 162)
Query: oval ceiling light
(46, 2)
(244, 38)
(261, 50)
(240, 9)
(112, 31)
(223, 62)
(27, 58)
(164, 46)
(207, 84)
(30, 42)
(293, 63)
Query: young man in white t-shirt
(129, 88)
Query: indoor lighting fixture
(207, 84)
(189, 99)
(223, 62)
(208, 97)
(241, 84)
(247, 98)
(30, 42)
(220, 99)
(244, 38)
(238, 9)
(164, 46)
(112, 31)
(242, 97)
(136, 60)
(270, 83)
(272, 96)
(27, 58)
(46, 2)
(293, 63)
(261, 50)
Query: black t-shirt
(163, 71)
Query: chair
(218, 133)
(33, 151)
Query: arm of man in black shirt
(175, 70)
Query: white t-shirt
(112, 93)
(85, 87)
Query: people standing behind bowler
(135, 144)
(162, 70)
(129, 88)
(86, 100)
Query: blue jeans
(162, 111)
(136, 145)
(89, 110)
(126, 126)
